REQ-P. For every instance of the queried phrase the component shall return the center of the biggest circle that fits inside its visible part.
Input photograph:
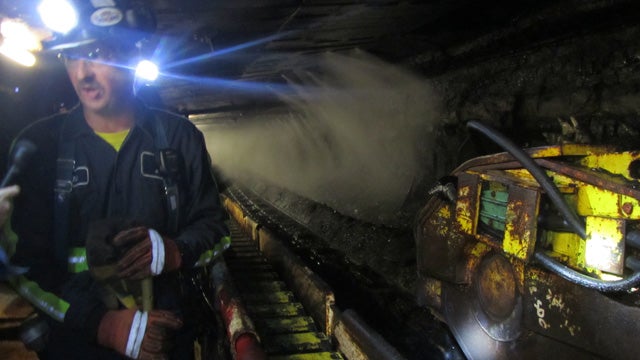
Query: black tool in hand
(22, 151)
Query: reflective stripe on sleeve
(43, 300)
(136, 334)
(77, 260)
(47, 302)
(157, 252)
(209, 255)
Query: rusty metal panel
(521, 222)
(614, 163)
(473, 254)
(467, 202)
(605, 244)
(438, 246)
(582, 317)
(593, 200)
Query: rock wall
(585, 88)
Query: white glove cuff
(157, 252)
(136, 334)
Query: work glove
(137, 334)
(102, 254)
(102, 259)
(147, 253)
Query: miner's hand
(146, 253)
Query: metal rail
(294, 311)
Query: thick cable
(537, 172)
(570, 216)
(584, 280)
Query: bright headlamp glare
(17, 41)
(58, 15)
(147, 70)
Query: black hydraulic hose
(570, 216)
(538, 173)
(584, 280)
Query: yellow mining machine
(533, 254)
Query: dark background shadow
(27, 94)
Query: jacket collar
(76, 126)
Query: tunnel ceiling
(260, 42)
(219, 55)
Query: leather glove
(138, 335)
(147, 253)
(102, 255)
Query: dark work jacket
(110, 184)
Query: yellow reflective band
(43, 300)
(77, 261)
(209, 255)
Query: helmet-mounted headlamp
(120, 21)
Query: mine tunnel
(403, 179)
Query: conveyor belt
(285, 329)
(279, 238)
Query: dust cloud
(354, 136)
